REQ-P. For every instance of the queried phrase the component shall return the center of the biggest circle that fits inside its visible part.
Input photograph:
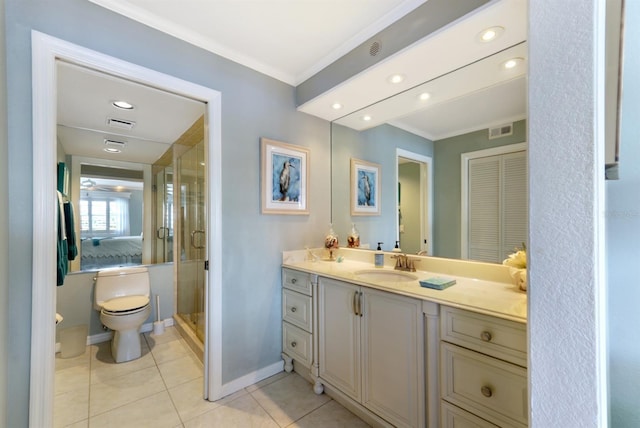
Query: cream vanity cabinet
(483, 371)
(297, 318)
(371, 347)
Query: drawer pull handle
(293, 309)
(486, 391)
(486, 336)
(294, 344)
(294, 280)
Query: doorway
(47, 51)
(414, 196)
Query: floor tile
(72, 378)
(189, 402)
(331, 415)
(124, 389)
(289, 399)
(170, 334)
(155, 411)
(103, 367)
(181, 370)
(241, 412)
(164, 352)
(71, 407)
(80, 360)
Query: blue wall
(253, 106)
(623, 237)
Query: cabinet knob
(294, 344)
(486, 391)
(486, 336)
(293, 309)
(294, 280)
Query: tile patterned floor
(163, 388)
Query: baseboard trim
(251, 378)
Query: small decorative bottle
(353, 240)
(331, 242)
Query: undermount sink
(385, 275)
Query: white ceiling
(291, 40)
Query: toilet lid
(126, 303)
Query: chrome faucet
(404, 263)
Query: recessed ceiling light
(512, 63)
(336, 106)
(121, 104)
(366, 118)
(112, 150)
(489, 34)
(112, 146)
(424, 96)
(396, 78)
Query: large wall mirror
(452, 155)
(121, 143)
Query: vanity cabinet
(297, 318)
(371, 349)
(483, 375)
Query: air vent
(113, 146)
(501, 131)
(121, 123)
(375, 48)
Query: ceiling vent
(375, 48)
(114, 146)
(121, 123)
(501, 131)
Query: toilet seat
(126, 305)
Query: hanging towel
(63, 250)
(69, 219)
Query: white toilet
(122, 297)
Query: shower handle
(193, 239)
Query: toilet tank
(119, 282)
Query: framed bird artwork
(365, 187)
(285, 178)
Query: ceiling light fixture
(112, 146)
(366, 118)
(489, 34)
(512, 63)
(424, 96)
(121, 104)
(336, 106)
(396, 78)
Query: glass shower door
(190, 192)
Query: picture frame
(285, 178)
(365, 188)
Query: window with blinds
(497, 206)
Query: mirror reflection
(120, 143)
(453, 158)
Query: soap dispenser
(397, 249)
(379, 256)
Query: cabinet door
(339, 336)
(392, 352)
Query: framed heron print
(365, 188)
(285, 178)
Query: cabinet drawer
(489, 388)
(297, 309)
(296, 343)
(298, 281)
(455, 417)
(499, 338)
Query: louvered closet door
(497, 205)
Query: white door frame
(426, 197)
(46, 50)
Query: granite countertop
(488, 296)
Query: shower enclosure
(190, 228)
(180, 229)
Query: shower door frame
(46, 51)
